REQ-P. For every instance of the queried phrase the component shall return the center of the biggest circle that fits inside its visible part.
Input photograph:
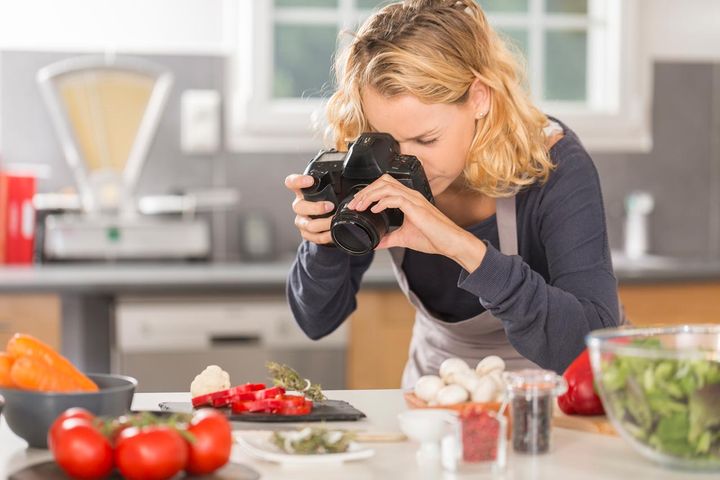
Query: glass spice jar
(479, 444)
(481, 433)
(532, 395)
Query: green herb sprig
(313, 440)
(289, 379)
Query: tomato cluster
(256, 398)
(86, 447)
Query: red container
(17, 217)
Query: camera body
(340, 175)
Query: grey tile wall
(682, 171)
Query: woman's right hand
(316, 230)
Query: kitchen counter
(113, 278)
(573, 455)
(144, 277)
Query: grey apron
(434, 340)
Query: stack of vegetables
(458, 383)
(141, 446)
(212, 388)
(30, 364)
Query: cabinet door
(671, 303)
(380, 331)
(37, 315)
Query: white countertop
(574, 455)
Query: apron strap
(507, 225)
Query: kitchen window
(582, 64)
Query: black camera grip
(326, 194)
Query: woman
(513, 258)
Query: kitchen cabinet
(36, 314)
(381, 327)
(671, 303)
(165, 340)
(380, 331)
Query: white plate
(258, 445)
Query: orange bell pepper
(6, 363)
(46, 361)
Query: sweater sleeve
(322, 285)
(547, 320)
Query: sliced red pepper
(292, 400)
(267, 405)
(221, 401)
(201, 400)
(242, 397)
(269, 393)
(303, 409)
(247, 387)
(240, 406)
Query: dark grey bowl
(30, 414)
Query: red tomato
(151, 453)
(212, 442)
(75, 412)
(81, 450)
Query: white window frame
(615, 118)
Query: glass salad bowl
(660, 387)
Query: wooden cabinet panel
(37, 315)
(380, 331)
(672, 303)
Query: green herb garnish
(289, 379)
(313, 440)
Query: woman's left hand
(425, 228)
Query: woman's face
(438, 134)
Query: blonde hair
(435, 50)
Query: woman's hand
(425, 228)
(316, 230)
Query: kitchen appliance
(106, 110)
(166, 340)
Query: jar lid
(534, 382)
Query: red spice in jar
(480, 431)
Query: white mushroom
(468, 380)
(490, 364)
(486, 390)
(497, 377)
(428, 386)
(451, 366)
(451, 394)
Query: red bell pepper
(581, 397)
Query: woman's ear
(479, 98)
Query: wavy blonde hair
(434, 50)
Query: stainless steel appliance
(164, 341)
(106, 110)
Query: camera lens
(358, 232)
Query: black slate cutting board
(323, 411)
(51, 471)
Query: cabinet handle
(235, 340)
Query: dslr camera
(340, 175)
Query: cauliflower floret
(210, 380)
